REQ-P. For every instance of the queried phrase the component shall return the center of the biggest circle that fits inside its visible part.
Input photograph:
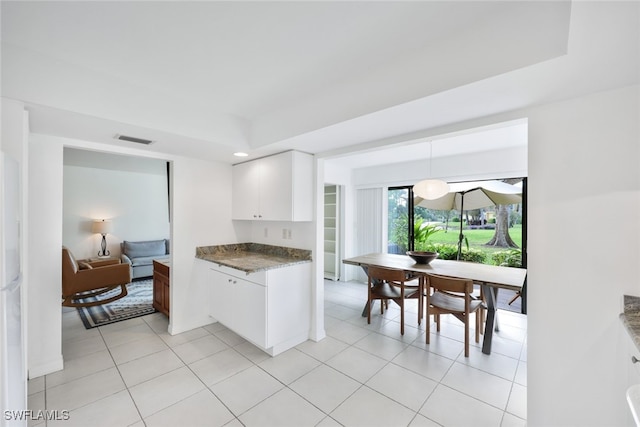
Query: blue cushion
(145, 260)
(144, 249)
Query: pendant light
(431, 189)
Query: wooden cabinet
(271, 309)
(161, 292)
(274, 188)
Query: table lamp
(102, 227)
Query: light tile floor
(134, 373)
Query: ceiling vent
(133, 139)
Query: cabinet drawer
(259, 277)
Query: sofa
(140, 255)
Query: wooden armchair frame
(88, 279)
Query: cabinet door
(166, 295)
(221, 298)
(276, 196)
(158, 298)
(245, 203)
(274, 188)
(250, 308)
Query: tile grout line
(439, 382)
(185, 365)
(121, 377)
(349, 345)
(206, 387)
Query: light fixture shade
(431, 189)
(102, 226)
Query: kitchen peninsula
(261, 292)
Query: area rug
(138, 302)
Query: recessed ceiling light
(240, 154)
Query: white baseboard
(317, 334)
(39, 369)
(173, 330)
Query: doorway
(332, 225)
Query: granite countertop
(631, 317)
(253, 257)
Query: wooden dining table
(490, 277)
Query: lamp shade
(431, 189)
(102, 226)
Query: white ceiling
(205, 79)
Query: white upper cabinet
(274, 188)
(246, 191)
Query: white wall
(44, 345)
(584, 205)
(201, 207)
(270, 233)
(504, 163)
(136, 203)
(201, 192)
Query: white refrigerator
(13, 372)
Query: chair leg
(428, 327)
(420, 305)
(517, 295)
(401, 316)
(370, 308)
(466, 336)
(481, 311)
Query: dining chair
(446, 295)
(391, 284)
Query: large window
(490, 235)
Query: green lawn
(476, 238)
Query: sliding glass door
(401, 220)
(491, 235)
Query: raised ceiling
(205, 78)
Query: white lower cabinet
(270, 309)
(631, 371)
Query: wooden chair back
(386, 284)
(385, 274)
(452, 296)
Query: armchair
(88, 279)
